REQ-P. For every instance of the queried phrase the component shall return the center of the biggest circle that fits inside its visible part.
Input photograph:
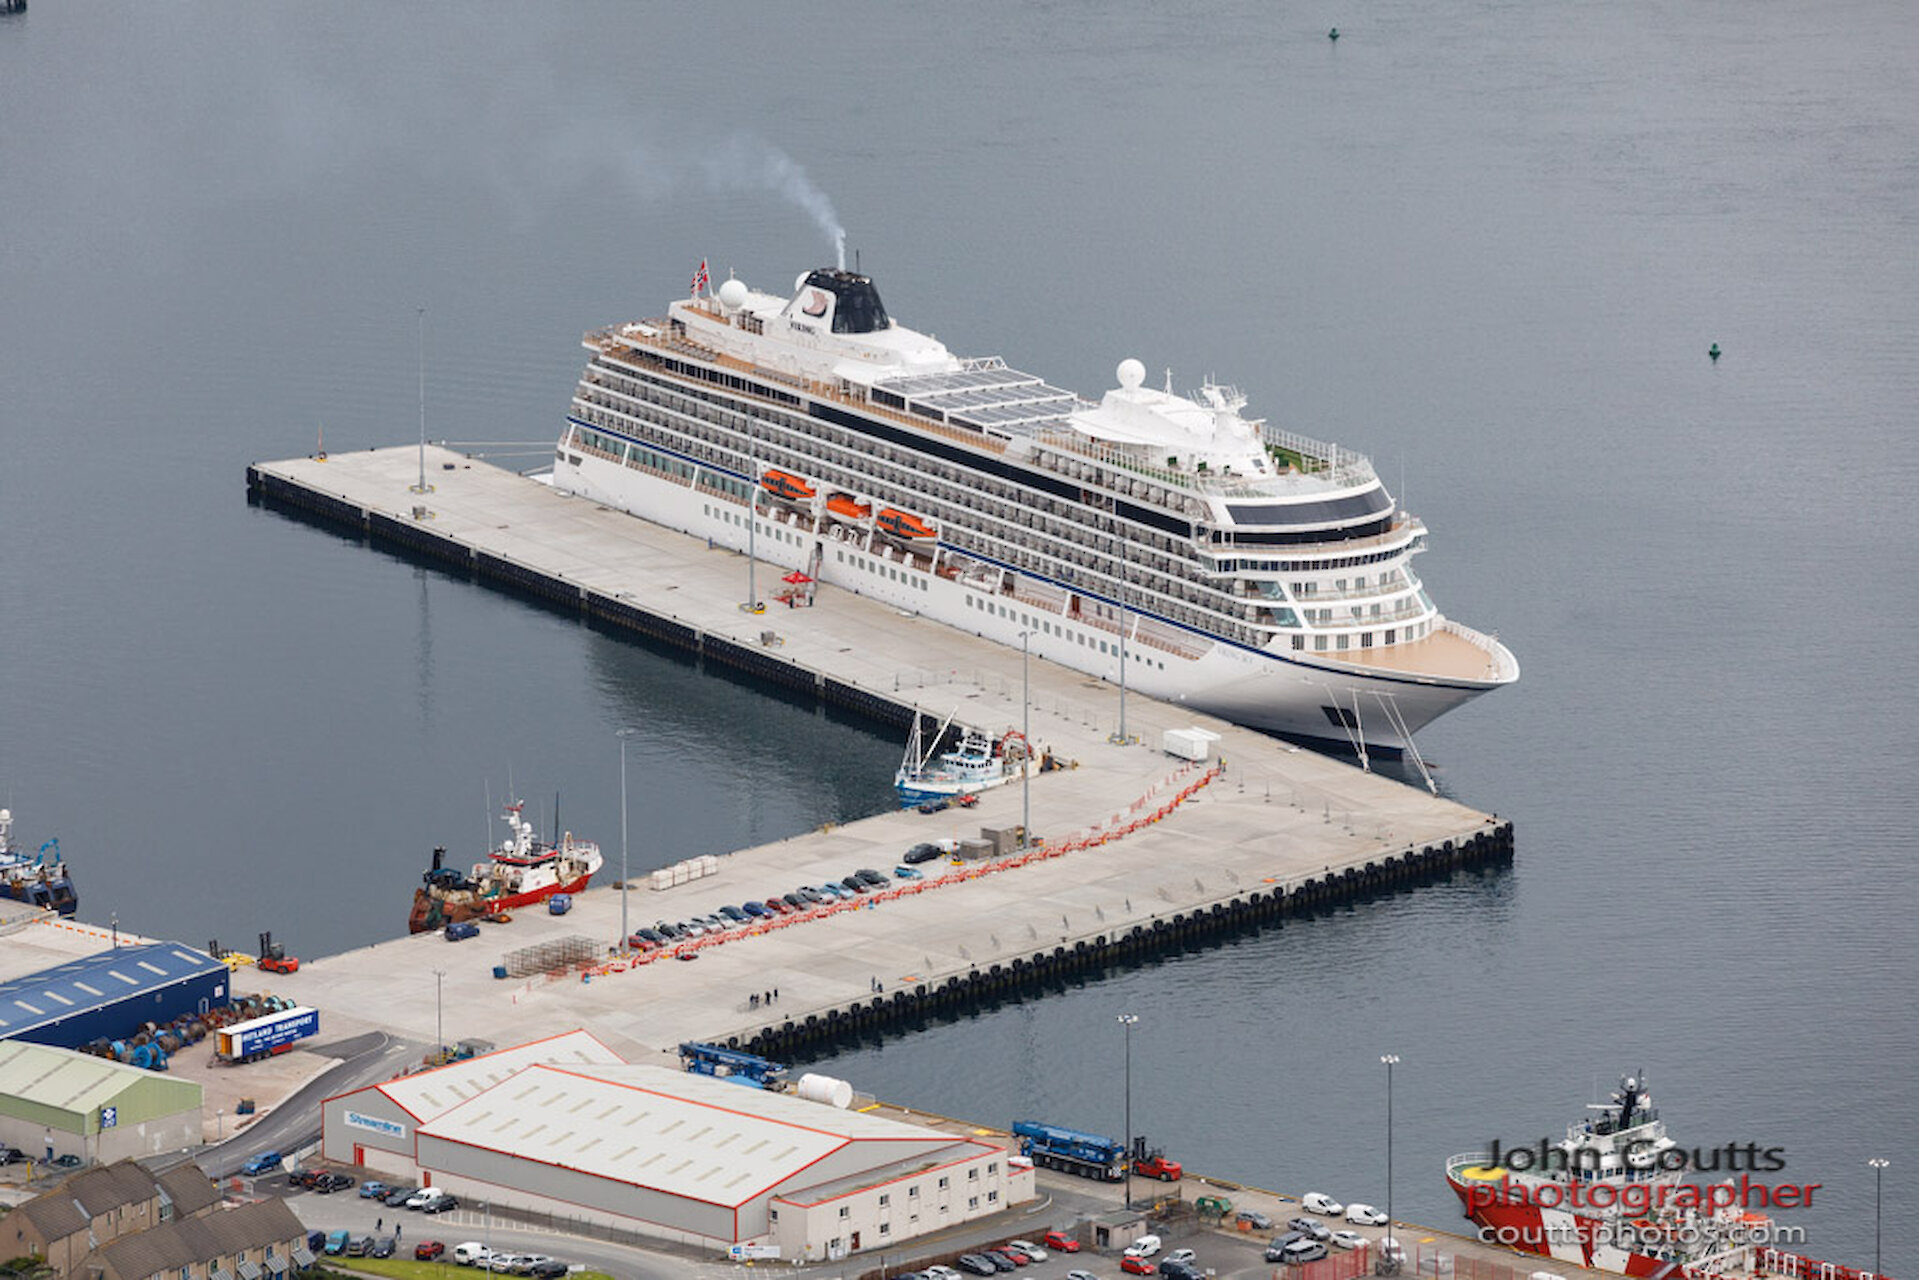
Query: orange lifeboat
(783, 485)
(842, 506)
(901, 524)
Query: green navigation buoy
(1714, 353)
(1333, 34)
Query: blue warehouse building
(112, 994)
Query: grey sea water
(1487, 243)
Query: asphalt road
(294, 1123)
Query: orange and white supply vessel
(1206, 557)
(1611, 1197)
(523, 870)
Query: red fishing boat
(521, 871)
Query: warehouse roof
(68, 1080)
(78, 985)
(686, 1135)
(427, 1094)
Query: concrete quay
(1282, 830)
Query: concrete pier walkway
(1280, 825)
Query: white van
(1144, 1247)
(471, 1254)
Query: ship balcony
(1320, 594)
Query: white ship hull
(1279, 692)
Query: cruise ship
(1232, 567)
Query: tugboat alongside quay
(1610, 1197)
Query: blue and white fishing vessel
(39, 880)
(977, 764)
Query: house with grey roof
(97, 1206)
(257, 1241)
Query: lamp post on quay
(1878, 1164)
(1389, 1262)
(625, 933)
(1127, 1020)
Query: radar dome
(1131, 374)
(733, 294)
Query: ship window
(1319, 643)
(1390, 633)
(1344, 640)
(1299, 642)
(1365, 639)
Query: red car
(1061, 1241)
(777, 907)
(428, 1250)
(1137, 1266)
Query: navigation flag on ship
(700, 280)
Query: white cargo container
(1188, 744)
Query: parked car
(304, 1178)
(933, 806)
(1134, 1265)
(975, 1264)
(778, 906)
(921, 853)
(1253, 1220)
(755, 910)
(1080, 1275)
(502, 1263)
(1365, 1215)
(938, 1272)
(1390, 1249)
(11, 1155)
(1300, 1252)
(399, 1196)
(329, 1182)
(68, 1161)
(265, 1162)
(1185, 1256)
(374, 1189)
(796, 900)
(1170, 1270)
(872, 877)
(1144, 1247)
(316, 1242)
(524, 1263)
(337, 1241)
(1320, 1202)
(1019, 1256)
(383, 1247)
(551, 1269)
(906, 873)
(1346, 1240)
(423, 1197)
(1061, 1241)
(734, 914)
(428, 1250)
(1312, 1228)
(856, 884)
(445, 1204)
(460, 930)
(1276, 1247)
(359, 1246)
(1003, 1260)
(471, 1254)
(1031, 1250)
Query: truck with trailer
(263, 1037)
(1090, 1155)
